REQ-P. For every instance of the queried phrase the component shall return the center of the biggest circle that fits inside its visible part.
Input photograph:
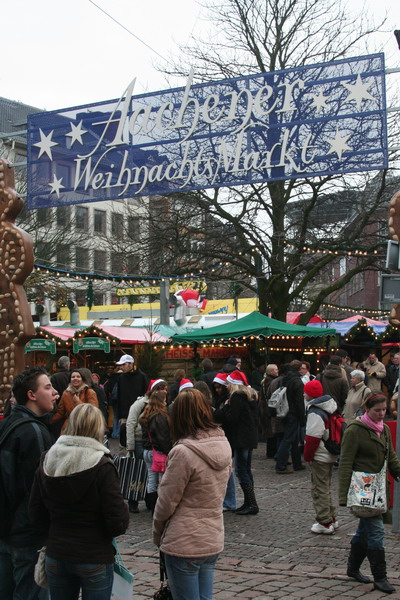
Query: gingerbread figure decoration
(16, 263)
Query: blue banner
(304, 122)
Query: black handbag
(164, 593)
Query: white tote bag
(122, 588)
(367, 493)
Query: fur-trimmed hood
(73, 454)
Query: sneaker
(283, 471)
(320, 528)
(335, 524)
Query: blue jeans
(289, 444)
(191, 578)
(116, 425)
(370, 532)
(230, 495)
(154, 478)
(16, 574)
(242, 462)
(66, 579)
(139, 450)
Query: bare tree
(272, 226)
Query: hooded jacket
(316, 431)
(363, 450)
(334, 384)
(188, 520)
(76, 493)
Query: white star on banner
(338, 144)
(56, 185)
(76, 133)
(358, 91)
(319, 101)
(45, 144)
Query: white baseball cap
(125, 358)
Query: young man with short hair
(20, 451)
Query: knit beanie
(314, 388)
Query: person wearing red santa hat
(319, 407)
(185, 384)
(239, 416)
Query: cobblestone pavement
(273, 554)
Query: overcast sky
(61, 54)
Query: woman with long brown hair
(77, 392)
(157, 443)
(191, 492)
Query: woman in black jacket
(76, 493)
(238, 416)
(156, 436)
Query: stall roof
(254, 324)
(133, 334)
(63, 333)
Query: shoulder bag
(367, 492)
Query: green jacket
(363, 450)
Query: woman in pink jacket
(191, 492)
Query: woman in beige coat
(188, 522)
(357, 395)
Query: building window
(342, 266)
(81, 218)
(117, 263)
(43, 216)
(43, 253)
(133, 227)
(63, 256)
(133, 264)
(98, 299)
(100, 221)
(356, 283)
(117, 224)
(63, 215)
(100, 261)
(82, 258)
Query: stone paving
(273, 554)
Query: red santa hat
(221, 378)
(153, 383)
(237, 378)
(185, 384)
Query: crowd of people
(59, 486)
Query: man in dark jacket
(392, 374)
(60, 379)
(209, 372)
(130, 385)
(295, 419)
(334, 381)
(20, 453)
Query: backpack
(278, 404)
(336, 425)
(6, 511)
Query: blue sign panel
(303, 122)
